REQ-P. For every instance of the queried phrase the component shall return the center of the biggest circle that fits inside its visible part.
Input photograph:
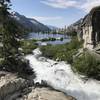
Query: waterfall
(60, 76)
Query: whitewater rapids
(60, 76)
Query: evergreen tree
(4, 7)
(10, 40)
(9, 37)
(10, 44)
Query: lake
(39, 36)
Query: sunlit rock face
(47, 94)
(91, 28)
(15, 88)
(9, 83)
(88, 29)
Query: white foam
(60, 76)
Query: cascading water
(60, 76)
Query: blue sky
(54, 12)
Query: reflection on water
(39, 36)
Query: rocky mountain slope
(52, 27)
(29, 23)
(75, 26)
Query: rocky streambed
(14, 88)
(54, 81)
(60, 76)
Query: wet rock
(15, 88)
(42, 59)
(47, 94)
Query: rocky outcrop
(91, 28)
(47, 94)
(15, 88)
(9, 83)
(76, 27)
(88, 29)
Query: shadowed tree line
(12, 59)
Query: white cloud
(89, 4)
(85, 5)
(42, 18)
(60, 3)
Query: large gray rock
(47, 94)
(91, 28)
(9, 83)
(15, 88)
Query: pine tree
(10, 40)
(4, 7)
(9, 37)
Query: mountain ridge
(29, 23)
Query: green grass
(85, 64)
(28, 46)
(63, 52)
(88, 66)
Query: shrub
(48, 51)
(28, 46)
(62, 52)
(61, 39)
(87, 65)
(48, 39)
(72, 33)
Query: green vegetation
(87, 65)
(9, 35)
(84, 64)
(61, 39)
(48, 39)
(10, 56)
(12, 49)
(72, 33)
(28, 46)
(63, 52)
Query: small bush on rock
(87, 65)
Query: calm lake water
(39, 36)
